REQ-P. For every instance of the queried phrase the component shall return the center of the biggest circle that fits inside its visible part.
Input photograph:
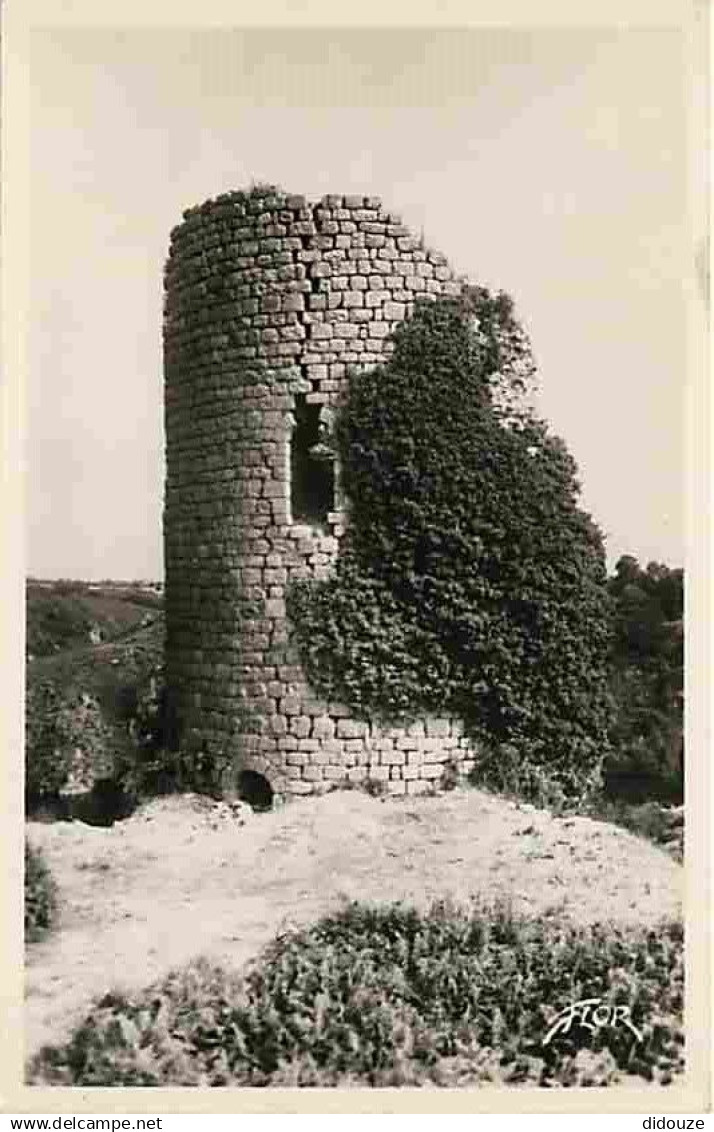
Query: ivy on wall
(470, 582)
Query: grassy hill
(63, 614)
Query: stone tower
(269, 299)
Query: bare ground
(183, 877)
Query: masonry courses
(269, 300)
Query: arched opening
(255, 789)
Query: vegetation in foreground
(386, 996)
(40, 896)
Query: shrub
(469, 581)
(647, 682)
(40, 895)
(386, 996)
(107, 706)
(58, 725)
(47, 763)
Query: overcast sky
(547, 163)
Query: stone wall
(269, 299)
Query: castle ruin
(269, 300)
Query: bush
(47, 763)
(469, 582)
(40, 896)
(386, 996)
(108, 707)
(647, 683)
(67, 738)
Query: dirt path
(178, 879)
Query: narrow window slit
(312, 469)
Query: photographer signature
(592, 1014)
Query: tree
(647, 679)
(469, 582)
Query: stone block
(313, 773)
(323, 727)
(396, 786)
(296, 758)
(335, 773)
(417, 786)
(294, 302)
(384, 743)
(379, 773)
(300, 726)
(417, 729)
(395, 310)
(406, 743)
(431, 771)
(332, 746)
(351, 728)
(376, 298)
(356, 746)
(312, 746)
(297, 788)
(393, 758)
(437, 727)
(320, 330)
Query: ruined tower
(269, 299)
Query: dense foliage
(647, 681)
(469, 583)
(40, 895)
(387, 996)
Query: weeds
(387, 996)
(40, 896)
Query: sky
(550, 163)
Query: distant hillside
(66, 614)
